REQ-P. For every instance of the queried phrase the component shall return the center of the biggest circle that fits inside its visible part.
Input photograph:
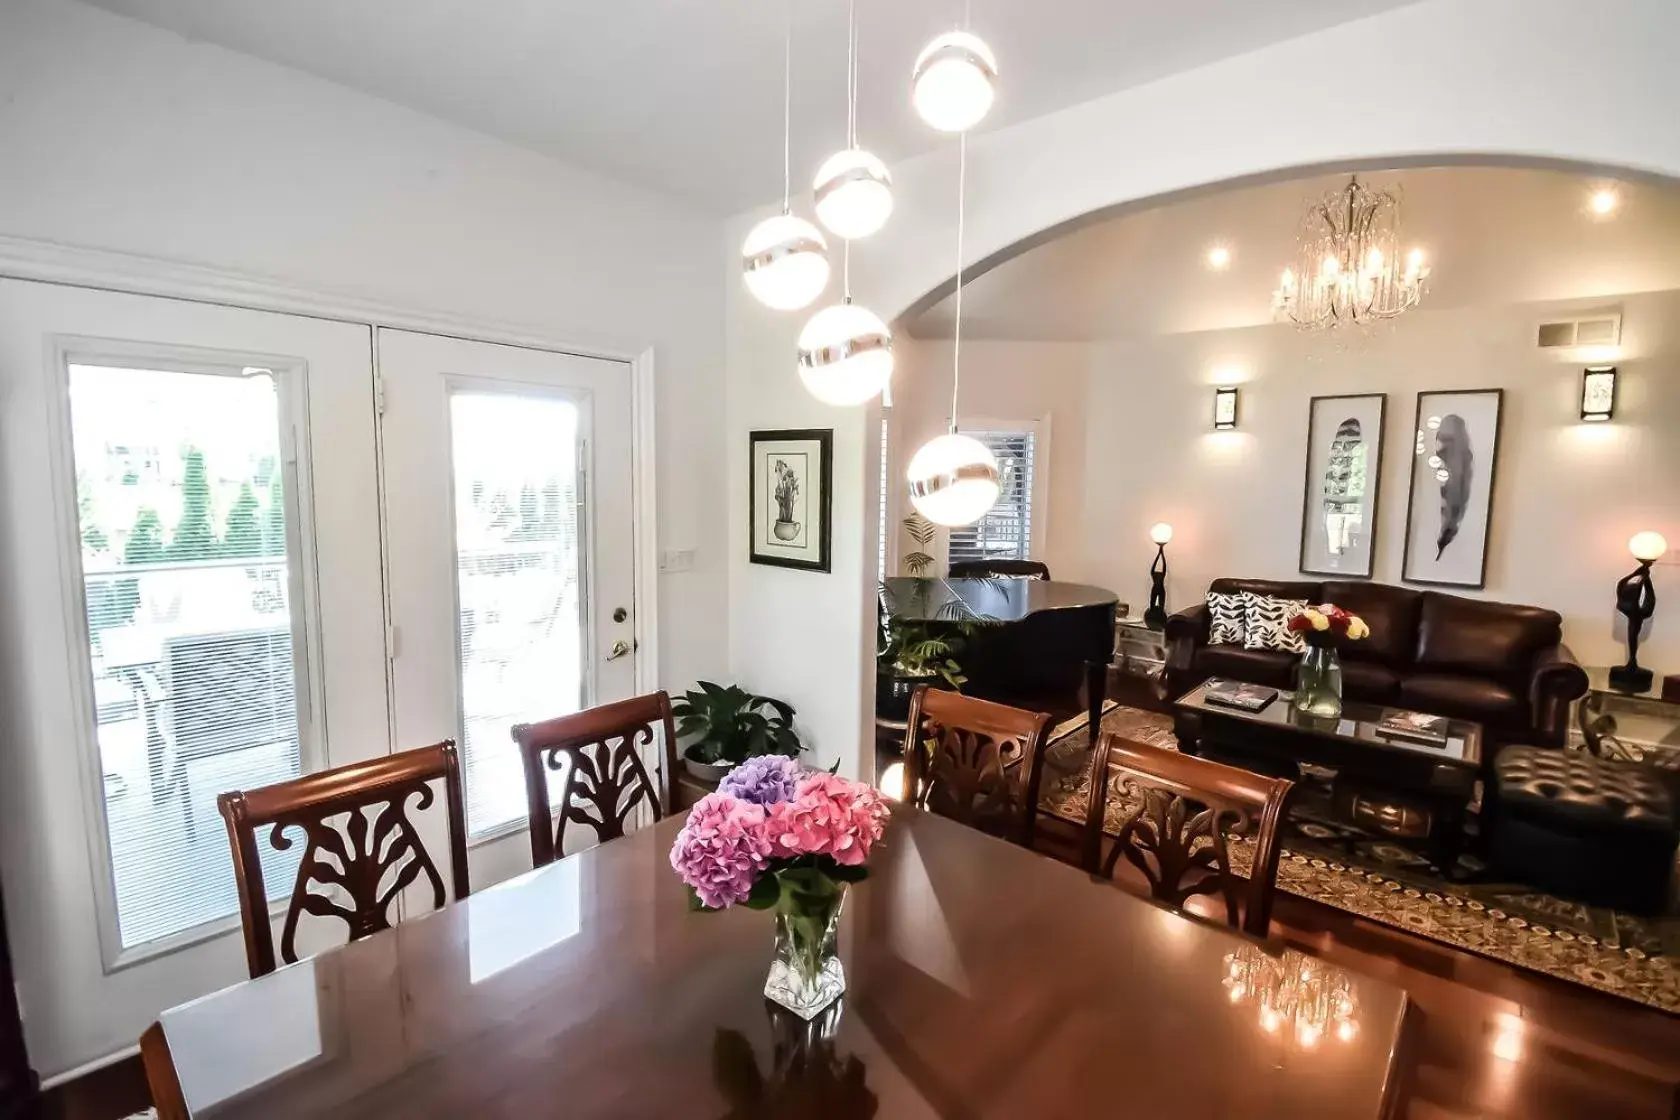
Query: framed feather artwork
(1344, 466)
(1455, 456)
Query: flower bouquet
(1318, 692)
(778, 837)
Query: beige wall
(1568, 495)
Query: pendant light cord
(956, 335)
(851, 73)
(787, 108)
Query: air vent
(1598, 329)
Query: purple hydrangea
(764, 780)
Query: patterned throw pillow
(1266, 624)
(1227, 613)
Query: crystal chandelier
(1308, 997)
(1349, 270)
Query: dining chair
(999, 569)
(975, 762)
(168, 1101)
(361, 848)
(599, 750)
(1180, 812)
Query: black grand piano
(1039, 642)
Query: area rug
(1373, 877)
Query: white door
(508, 505)
(189, 575)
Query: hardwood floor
(1496, 1043)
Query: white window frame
(292, 393)
(1038, 501)
(584, 401)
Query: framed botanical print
(1344, 469)
(792, 480)
(1455, 461)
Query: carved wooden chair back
(361, 848)
(1180, 812)
(599, 749)
(975, 761)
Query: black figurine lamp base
(1631, 678)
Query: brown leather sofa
(1501, 665)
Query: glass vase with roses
(778, 837)
(1318, 689)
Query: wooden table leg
(1096, 694)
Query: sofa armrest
(1187, 631)
(1555, 682)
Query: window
(194, 637)
(1006, 532)
(520, 621)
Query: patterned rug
(1373, 877)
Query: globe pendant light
(954, 478)
(954, 81)
(845, 354)
(853, 188)
(785, 259)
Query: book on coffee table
(1414, 727)
(1239, 695)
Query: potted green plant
(729, 726)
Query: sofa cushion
(1474, 638)
(1573, 788)
(1266, 623)
(1392, 613)
(1474, 698)
(1277, 589)
(1370, 682)
(1257, 666)
(1226, 618)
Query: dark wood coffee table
(1410, 791)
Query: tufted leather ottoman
(1596, 830)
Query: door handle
(620, 648)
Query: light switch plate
(676, 560)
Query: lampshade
(953, 480)
(785, 263)
(845, 354)
(1160, 533)
(1648, 546)
(954, 81)
(854, 194)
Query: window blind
(188, 553)
(1005, 533)
(881, 514)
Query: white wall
(120, 136)
(1438, 78)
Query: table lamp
(1636, 599)
(1156, 616)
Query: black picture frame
(1420, 451)
(1374, 471)
(816, 554)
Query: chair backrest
(1178, 811)
(368, 858)
(599, 749)
(995, 569)
(975, 761)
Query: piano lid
(999, 599)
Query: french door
(519, 462)
(191, 562)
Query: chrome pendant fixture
(845, 354)
(954, 478)
(954, 81)
(785, 258)
(853, 188)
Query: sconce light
(1598, 393)
(1225, 408)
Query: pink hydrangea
(721, 849)
(829, 816)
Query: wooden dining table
(983, 980)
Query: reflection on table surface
(984, 980)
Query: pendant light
(785, 258)
(853, 188)
(954, 478)
(954, 81)
(845, 351)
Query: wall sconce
(1598, 393)
(1225, 408)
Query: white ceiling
(1496, 236)
(684, 96)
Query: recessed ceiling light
(1219, 258)
(1604, 201)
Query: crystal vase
(805, 974)
(1318, 692)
